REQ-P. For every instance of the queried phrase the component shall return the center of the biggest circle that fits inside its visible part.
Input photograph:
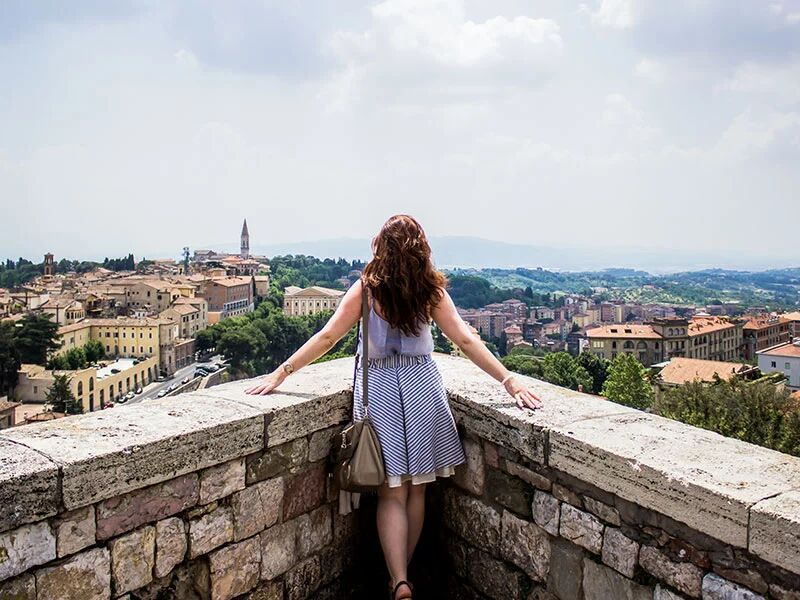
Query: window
(774, 364)
(787, 366)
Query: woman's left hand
(268, 383)
(523, 396)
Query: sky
(144, 126)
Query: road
(152, 389)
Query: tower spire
(245, 243)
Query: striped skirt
(409, 410)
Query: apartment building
(782, 358)
(307, 301)
(228, 297)
(764, 331)
(794, 323)
(63, 311)
(642, 341)
(541, 312)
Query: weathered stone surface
(320, 444)
(606, 513)
(314, 530)
(526, 545)
(540, 482)
(546, 512)
(619, 551)
(235, 569)
(256, 507)
(683, 576)
(28, 485)
(749, 578)
(272, 590)
(132, 559)
(602, 583)
(490, 454)
(75, 530)
(470, 475)
(692, 475)
(458, 555)
(108, 453)
(221, 480)
(285, 459)
(581, 528)
(565, 578)
(775, 530)
(210, 531)
(778, 592)
(278, 549)
(565, 494)
(304, 491)
(510, 492)
(473, 520)
(171, 545)
(128, 511)
(494, 578)
(304, 579)
(86, 576)
(25, 547)
(19, 588)
(717, 588)
(662, 593)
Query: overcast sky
(146, 126)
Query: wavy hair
(401, 275)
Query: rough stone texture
(304, 579)
(494, 578)
(235, 569)
(602, 583)
(314, 530)
(717, 588)
(470, 475)
(526, 545)
(221, 480)
(606, 513)
(281, 460)
(132, 559)
(511, 492)
(473, 520)
(781, 593)
(683, 576)
(546, 511)
(619, 551)
(540, 482)
(256, 507)
(565, 579)
(775, 530)
(304, 491)
(662, 593)
(86, 576)
(320, 445)
(278, 549)
(692, 475)
(123, 513)
(581, 528)
(108, 453)
(19, 588)
(75, 530)
(29, 487)
(171, 545)
(567, 495)
(210, 531)
(25, 547)
(749, 578)
(272, 590)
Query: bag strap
(364, 344)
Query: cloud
(615, 14)
(780, 82)
(650, 69)
(624, 119)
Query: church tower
(245, 247)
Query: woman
(408, 404)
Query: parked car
(139, 391)
(161, 394)
(130, 395)
(121, 400)
(185, 380)
(108, 405)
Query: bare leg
(393, 529)
(415, 511)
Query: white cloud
(650, 69)
(615, 14)
(779, 81)
(624, 119)
(774, 135)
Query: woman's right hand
(522, 395)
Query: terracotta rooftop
(700, 325)
(623, 331)
(231, 281)
(681, 370)
(764, 321)
(787, 349)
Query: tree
(37, 338)
(94, 351)
(627, 383)
(9, 357)
(237, 346)
(60, 398)
(560, 368)
(596, 367)
(440, 342)
(524, 364)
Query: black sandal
(397, 587)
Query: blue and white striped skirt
(409, 410)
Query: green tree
(60, 398)
(524, 364)
(440, 341)
(628, 383)
(596, 367)
(36, 338)
(94, 351)
(239, 347)
(560, 368)
(9, 357)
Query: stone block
(491, 456)
(546, 511)
(278, 549)
(314, 530)
(108, 453)
(565, 578)
(210, 531)
(133, 557)
(256, 507)
(128, 511)
(285, 459)
(662, 593)
(526, 545)
(476, 522)
(602, 583)
(683, 576)
(775, 530)
(603, 511)
(19, 588)
(510, 492)
(494, 578)
(581, 528)
(458, 555)
(235, 569)
(470, 475)
(619, 551)
(304, 491)
(75, 530)
(221, 480)
(565, 494)
(778, 592)
(304, 579)
(86, 576)
(171, 545)
(320, 444)
(25, 547)
(271, 590)
(540, 482)
(29, 488)
(717, 588)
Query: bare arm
(450, 322)
(342, 321)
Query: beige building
(794, 323)
(191, 316)
(228, 297)
(63, 311)
(307, 301)
(152, 295)
(7, 413)
(639, 340)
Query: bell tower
(49, 265)
(245, 245)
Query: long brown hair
(401, 275)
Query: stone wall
(216, 494)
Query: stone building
(764, 331)
(307, 301)
(228, 297)
(782, 358)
